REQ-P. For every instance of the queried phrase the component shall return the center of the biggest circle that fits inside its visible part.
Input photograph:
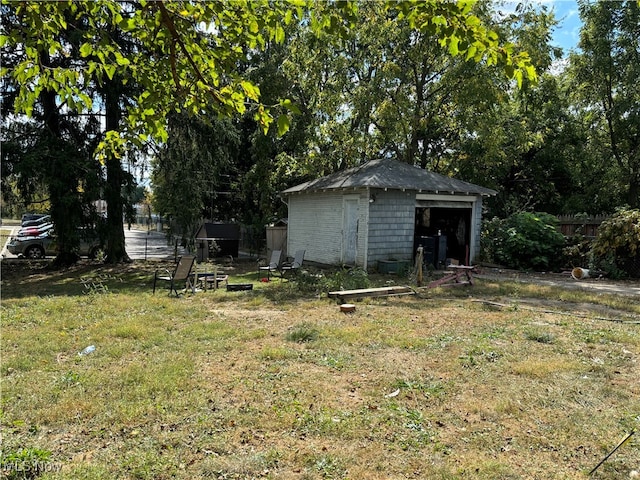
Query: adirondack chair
(294, 266)
(180, 274)
(273, 267)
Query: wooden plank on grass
(344, 295)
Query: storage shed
(383, 210)
(217, 240)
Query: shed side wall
(391, 226)
(316, 225)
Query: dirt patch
(564, 280)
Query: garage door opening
(444, 233)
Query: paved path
(148, 245)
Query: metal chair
(273, 267)
(295, 265)
(181, 273)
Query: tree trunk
(116, 251)
(62, 182)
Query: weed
(302, 333)
(69, 379)
(539, 336)
(477, 356)
(277, 353)
(25, 463)
(337, 361)
(428, 387)
(328, 466)
(348, 279)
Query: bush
(616, 249)
(576, 252)
(528, 241)
(306, 283)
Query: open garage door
(451, 222)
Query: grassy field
(497, 381)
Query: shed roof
(218, 231)
(391, 174)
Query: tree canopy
(212, 87)
(138, 63)
(606, 93)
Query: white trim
(448, 198)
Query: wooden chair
(273, 267)
(295, 265)
(181, 273)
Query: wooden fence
(571, 225)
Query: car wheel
(34, 252)
(96, 252)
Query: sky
(567, 33)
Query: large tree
(53, 149)
(191, 173)
(606, 87)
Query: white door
(350, 231)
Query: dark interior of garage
(444, 233)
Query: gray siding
(391, 226)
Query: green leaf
(250, 90)
(518, 76)
(509, 71)
(283, 125)
(110, 70)
(86, 49)
(122, 61)
(279, 34)
(439, 20)
(289, 105)
(471, 52)
(453, 45)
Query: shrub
(616, 249)
(307, 283)
(348, 279)
(576, 251)
(523, 241)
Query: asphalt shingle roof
(391, 174)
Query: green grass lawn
(278, 383)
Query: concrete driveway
(148, 245)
